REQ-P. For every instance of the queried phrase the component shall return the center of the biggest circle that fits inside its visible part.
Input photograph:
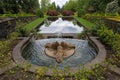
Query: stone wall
(7, 25)
(112, 24)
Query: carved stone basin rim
(59, 51)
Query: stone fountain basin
(17, 56)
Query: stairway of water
(34, 52)
(62, 26)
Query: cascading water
(61, 26)
(34, 52)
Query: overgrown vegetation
(6, 49)
(18, 6)
(95, 6)
(112, 40)
(25, 29)
(98, 72)
(107, 36)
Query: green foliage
(21, 30)
(80, 13)
(97, 72)
(79, 6)
(99, 5)
(18, 6)
(29, 27)
(115, 59)
(71, 5)
(82, 5)
(110, 38)
(86, 23)
(5, 47)
(82, 74)
(44, 5)
(13, 36)
(25, 29)
(41, 72)
(40, 13)
(52, 6)
(113, 7)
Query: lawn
(33, 24)
(86, 23)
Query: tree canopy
(84, 5)
(17, 6)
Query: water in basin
(34, 53)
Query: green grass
(33, 24)
(86, 23)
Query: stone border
(8, 25)
(19, 60)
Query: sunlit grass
(33, 24)
(86, 23)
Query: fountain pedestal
(59, 51)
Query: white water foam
(61, 26)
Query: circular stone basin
(34, 53)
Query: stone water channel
(35, 54)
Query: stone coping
(19, 60)
(55, 35)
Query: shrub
(40, 13)
(110, 38)
(52, 13)
(22, 31)
(5, 47)
(13, 36)
(20, 28)
(80, 13)
(113, 7)
(67, 13)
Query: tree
(113, 7)
(58, 8)
(71, 5)
(44, 5)
(82, 7)
(52, 6)
(99, 5)
(16, 6)
(1, 7)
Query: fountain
(81, 52)
(60, 28)
(59, 51)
